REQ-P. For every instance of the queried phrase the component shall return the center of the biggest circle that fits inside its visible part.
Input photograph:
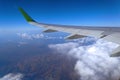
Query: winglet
(26, 16)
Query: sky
(68, 12)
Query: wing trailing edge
(49, 31)
(74, 36)
(116, 52)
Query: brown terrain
(43, 67)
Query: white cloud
(63, 48)
(24, 35)
(36, 36)
(11, 76)
(93, 61)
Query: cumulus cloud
(36, 36)
(30, 36)
(93, 61)
(11, 76)
(24, 35)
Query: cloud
(11, 76)
(36, 36)
(64, 48)
(93, 61)
(24, 35)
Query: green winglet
(26, 16)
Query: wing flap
(115, 37)
(74, 36)
(116, 52)
(92, 33)
(49, 31)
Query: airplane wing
(79, 31)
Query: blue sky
(69, 12)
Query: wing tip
(26, 16)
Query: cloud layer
(36, 36)
(93, 61)
(11, 76)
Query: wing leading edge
(78, 32)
